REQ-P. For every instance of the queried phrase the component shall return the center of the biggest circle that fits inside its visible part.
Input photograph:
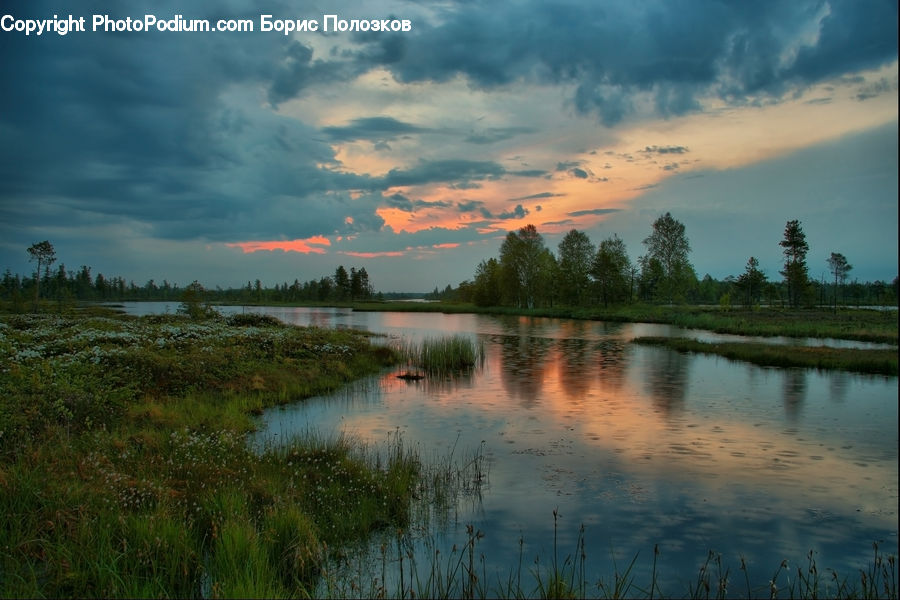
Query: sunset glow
(304, 150)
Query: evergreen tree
(795, 270)
(751, 281)
(839, 266)
(44, 255)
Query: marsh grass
(442, 356)
(409, 566)
(875, 361)
(125, 469)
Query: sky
(230, 156)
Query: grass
(462, 572)
(125, 469)
(442, 356)
(882, 362)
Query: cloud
(664, 150)
(593, 211)
(444, 171)
(875, 89)
(403, 203)
(538, 196)
(579, 173)
(492, 135)
(620, 56)
(372, 129)
(307, 246)
(519, 212)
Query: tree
(520, 261)
(44, 254)
(669, 245)
(487, 284)
(193, 303)
(611, 271)
(342, 283)
(751, 281)
(795, 271)
(839, 266)
(576, 252)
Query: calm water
(641, 445)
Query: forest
(525, 274)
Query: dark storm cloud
(372, 128)
(167, 130)
(675, 51)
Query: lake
(642, 446)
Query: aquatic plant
(441, 356)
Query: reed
(442, 356)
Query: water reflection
(642, 445)
(666, 380)
(794, 392)
(523, 363)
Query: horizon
(224, 157)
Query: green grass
(442, 356)
(461, 572)
(125, 470)
(882, 362)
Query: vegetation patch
(442, 356)
(125, 471)
(883, 362)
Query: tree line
(60, 284)
(527, 274)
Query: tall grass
(407, 566)
(442, 356)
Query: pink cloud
(307, 246)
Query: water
(641, 445)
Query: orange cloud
(307, 246)
(447, 245)
(392, 253)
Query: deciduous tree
(520, 260)
(668, 244)
(611, 271)
(576, 252)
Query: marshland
(161, 455)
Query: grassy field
(125, 469)
(882, 362)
